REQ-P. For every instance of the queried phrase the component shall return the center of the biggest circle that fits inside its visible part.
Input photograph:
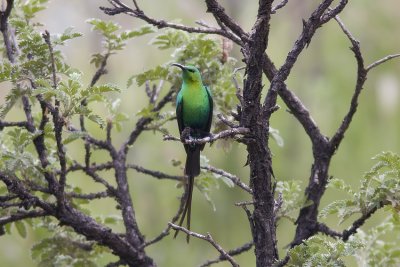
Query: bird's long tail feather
(192, 166)
(188, 207)
(192, 169)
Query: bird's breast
(196, 109)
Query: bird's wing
(179, 113)
(210, 99)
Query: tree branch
(361, 78)
(212, 137)
(231, 177)
(58, 126)
(232, 252)
(4, 124)
(22, 215)
(155, 174)
(358, 223)
(120, 7)
(4, 14)
(207, 238)
(380, 61)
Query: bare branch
(223, 134)
(358, 223)
(155, 174)
(4, 14)
(279, 6)
(120, 7)
(380, 61)
(220, 15)
(231, 177)
(232, 252)
(332, 12)
(361, 78)
(58, 126)
(22, 215)
(46, 37)
(89, 196)
(4, 124)
(207, 238)
(323, 228)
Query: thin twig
(207, 238)
(279, 6)
(361, 78)
(232, 252)
(358, 223)
(380, 61)
(155, 174)
(166, 231)
(230, 176)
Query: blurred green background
(323, 78)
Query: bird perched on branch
(194, 109)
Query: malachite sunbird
(194, 109)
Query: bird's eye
(190, 70)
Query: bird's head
(190, 74)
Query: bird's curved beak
(178, 65)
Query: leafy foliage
(65, 248)
(320, 251)
(380, 186)
(114, 41)
(291, 197)
(376, 250)
(369, 248)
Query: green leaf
(10, 100)
(97, 119)
(30, 8)
(68, 34)
(104, 88)
(147, 112)
(72, 136)
(158, 73)
(20, 225)
(170, 39)
(112, 219)
(146, 29)
(106, 28)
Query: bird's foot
(186, 134)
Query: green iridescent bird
(194, 109)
